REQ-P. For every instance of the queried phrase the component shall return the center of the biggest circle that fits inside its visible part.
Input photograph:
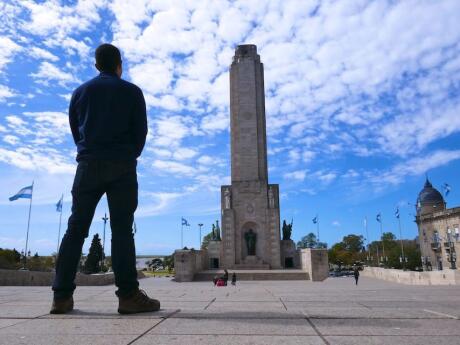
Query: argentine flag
(25, 193)
(59, 204)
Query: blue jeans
(93, 178)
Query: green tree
(353, 243)
(206, 240)
(169, 262)
(308, 241)
(347, 251)
(9, 259)
(95, 255)
(156, 264)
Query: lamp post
(200, 225)
(105, 219)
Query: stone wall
(315, 262)
(445, 277)
(187, 263)
(34, 278)
(288, 250)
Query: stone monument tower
(250, 205)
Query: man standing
(108, 121)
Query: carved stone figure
(251, 238)
(227, 198)
(287, 230)
(218, 238)
(213, 237)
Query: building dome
(431, 197)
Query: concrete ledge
(34, 278)
(445, 277)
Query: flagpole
(28, 224)
(367, 239)
(381, 237)
(59, 231)
(403, 259)
(200, 225)
(317, 227)
(182, 235)
(105, 219)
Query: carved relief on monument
(250, 208)
(271, 197)
(227, 198)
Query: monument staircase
(251, 274)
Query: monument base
(252, 262)
(293, 274)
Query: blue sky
(362, 100)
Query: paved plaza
(267, 312)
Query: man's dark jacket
(108, 119)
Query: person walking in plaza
(108, 122)
(234, 279)
(356, 274)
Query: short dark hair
(108, 57)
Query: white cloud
(40, 53)
(298, 175)
(48, 72)
(173, 168)
(184, 153)
(5, 93)
(161, 201)
(8, 49)
(11, 139)
(206, 160)
(28, 158)
(415, 166)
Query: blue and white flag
(24, 193)
(446, 188)
(397, 212)
(379, 218)
(184, 222)
(315, 220)
(59, 204)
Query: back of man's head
(108, 58)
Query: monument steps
(287, 274)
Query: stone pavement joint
(209, 304)
(317, 331)
(150, 329)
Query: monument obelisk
(250, 205)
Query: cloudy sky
(362, 100)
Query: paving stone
(52, 327)
(375, 312)
(247, 326)
(228, 340)
(391, 340)
(9, 322)
(28, 311)
(245, 306)
(389, 327)
(101, 313)
(65, 339)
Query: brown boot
(137, 302)
(62, 305)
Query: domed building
(438, 229)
